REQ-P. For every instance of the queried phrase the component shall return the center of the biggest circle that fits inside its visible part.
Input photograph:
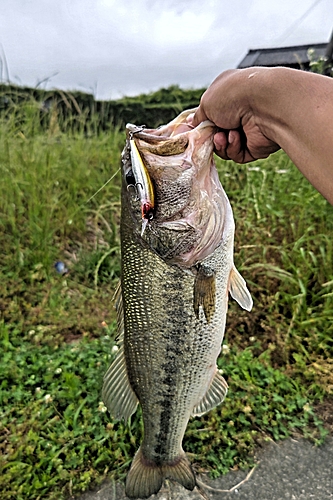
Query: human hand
(230, 102)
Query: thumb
(198, 117)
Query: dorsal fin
(117, 393)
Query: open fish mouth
(175, 194)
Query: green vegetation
(75, 110)
(320, 64)
(57, 331)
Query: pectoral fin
(117, 394)
(213, 397)
(238, 290)
(204, 294)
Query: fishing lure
(143, 185)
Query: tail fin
(146, 478)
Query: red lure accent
(147, 211)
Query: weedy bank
(57, 330)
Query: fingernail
(231, 137)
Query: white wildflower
(114, 349)
(252, 339)
(57, 371)
(48, 398)
(306, 407)
(101, 407)
(247, 409)
(225, 349)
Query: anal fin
(214, 396)
(117, 393)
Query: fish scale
(173, 302)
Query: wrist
(267, 99)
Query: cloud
(133, 47)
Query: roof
(294, 56)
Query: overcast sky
(113, 48)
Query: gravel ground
(290, 470)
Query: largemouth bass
(177, 238)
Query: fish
(177, 270)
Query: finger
(237, 148)
(230, 145)
(199, 116)
(221, 144)
(221, 141)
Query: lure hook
(133, 186)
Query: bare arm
(263, 109)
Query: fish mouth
(177, 126)
(172, 138)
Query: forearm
(295, 110)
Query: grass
(57, 331)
